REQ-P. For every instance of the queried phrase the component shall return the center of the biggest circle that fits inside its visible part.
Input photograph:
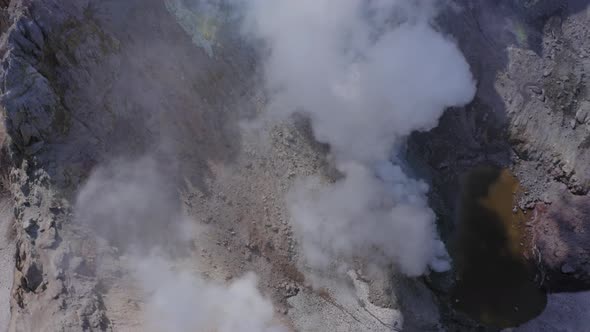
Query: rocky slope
(84, 82)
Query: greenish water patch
(495, 284)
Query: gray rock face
(29, 100)
(34, 114)
(583, 113)
(45, 282)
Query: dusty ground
(243, 226)
(7, 249)
(248, 228)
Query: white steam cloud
(367, 73)
(133, 205)
(182, 302)
(363, 216)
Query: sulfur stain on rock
(495, 283)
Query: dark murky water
(495, 283)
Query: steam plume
(133, 205)
(182, 302)
(367, 73)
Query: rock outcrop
(45, 283)
(51, 290)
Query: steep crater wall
(68, 105)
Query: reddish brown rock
(560, 242)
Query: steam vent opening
(495, 283)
